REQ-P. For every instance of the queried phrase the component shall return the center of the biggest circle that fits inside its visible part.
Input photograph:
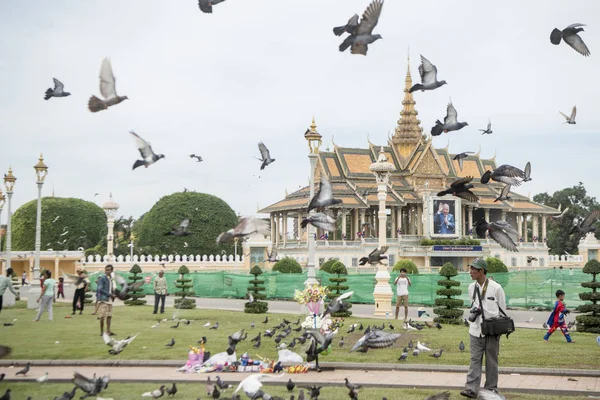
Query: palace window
(354, 262)
(513, 261)
(542, 262)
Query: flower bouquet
(313, 296)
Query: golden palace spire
(408, 127)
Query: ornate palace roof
(419, 168)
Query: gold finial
(477, 154)
(370, 144)
(335, 146)
(286, 192)
(313, 126)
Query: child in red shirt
(557, 318)
(61, 282)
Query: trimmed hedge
(449, 242)
(185, 289)
(411, 267)
(256, 307)
(446, 309)
(328, 266)
(590, 322)
(288, 265)
(209, 216)
(81, 223)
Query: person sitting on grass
(557, 318)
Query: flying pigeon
(505, 174)
(450, 122)
(488, 130)
(272, 256)
(428, 73)
(350, 27)
(319, 343)
(461, 188)
(570, 36)
(320, 220)
(206, 5)
(57, 91)
(376, 339)
(504, 194)
(570, 119)
(123, 293)
(558, 217)
(117, 346)
(527, 172)
(324, 197)
(338, 304)
(265, 155)
(107, 89)
(531, 258)
(485, 394)
(148, 155)
(198, 158)
(246, 227)
(91, 387)
(251, 385)
(500, 231)
(460, 156)
(180, 230)
(155, 394)
(587, 225)
(374, 257)
(363, 36)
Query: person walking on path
(402, 283)
(6, 283)
(557, 318)
(61, 288)
(488, 297)
(160, 292)
(23, 279)
(81, 285)
(104, 294)
(46, 296)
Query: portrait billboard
(446, 219)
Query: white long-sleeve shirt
(494, 297)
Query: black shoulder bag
(496, 326)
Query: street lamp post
(2, 200)
(9, 184)
(382, 292)
(41, 170)
(110, 208)
(314, 141)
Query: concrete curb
(590, 373)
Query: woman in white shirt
(402, 283)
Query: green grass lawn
(193, 391)
(79, 338)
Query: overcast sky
(216, 85)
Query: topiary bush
(288, 265)
(257, 306)
(185, 289)
(446, 307)
(498, 269)
(138, 298)
(67, 224)
(209, 216)
(338, 286)
(590, 322)
(411, 267)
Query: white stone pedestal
(33, 295)
(383, 295)
(8, 299)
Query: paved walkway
(528, 383)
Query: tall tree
(580, 205)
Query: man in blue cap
(488, 296)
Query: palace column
(285, 228)
(363, 213)
(486, 212)
(344, 215)
(355, 223)
(273, 229)
(298, 225)
(412, 219)
(470, 208)
(534, 227)
(399, 218)
(276, 230)
(503, 215)
(520, 224)
(419, 220)
(543, 228)
(382, 292)
(393, 224)
(525, 231)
